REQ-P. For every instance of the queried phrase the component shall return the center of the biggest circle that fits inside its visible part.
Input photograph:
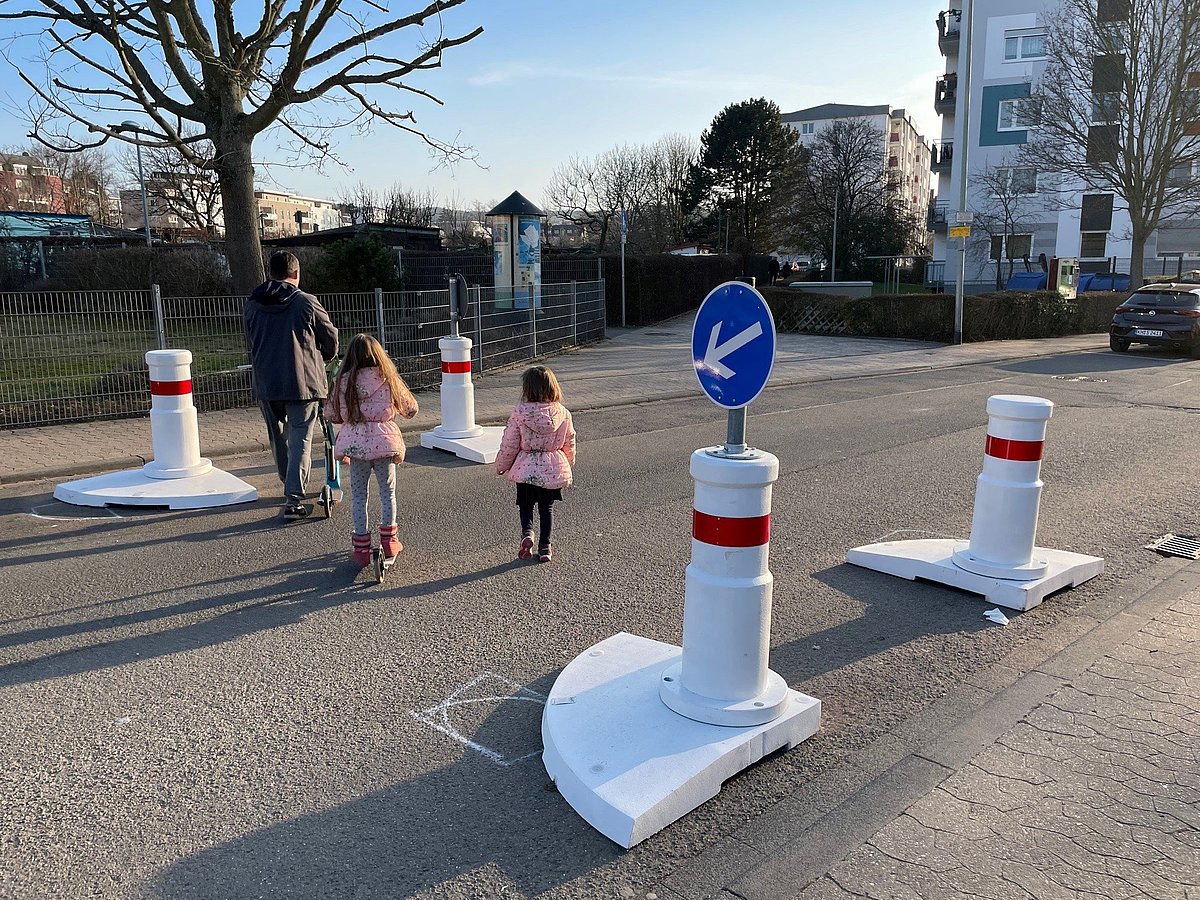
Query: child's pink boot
(360, 554)
(388, 545)
(525, 551)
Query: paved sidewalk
(632, 366)
(1077, 779)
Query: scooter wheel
(379, 569)
(327, 501)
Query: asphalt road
(215, 704)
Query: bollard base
(933, 560)
(134, 487)
(628, 764)
(482, 448)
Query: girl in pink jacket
(537, 452)
(366, 396)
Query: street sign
(733, 344)
(964, 217)
(624, 226)
(960, 231)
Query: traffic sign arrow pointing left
(714, 354)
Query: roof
(410, 236)
(835, 111)
(17, 224)
(515, 205)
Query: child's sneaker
(526, 550)
(388, 545)
(545, 553)
(360, 553)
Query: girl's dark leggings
(545, 519)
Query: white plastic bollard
(458, 392)
(1008, 492)
(174, 430)
(722, 677)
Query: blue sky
(549, 79)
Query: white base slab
(932, 560)
(134, 488)
(482, 448)
(628, 764)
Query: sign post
(624, 236)
(639, 732)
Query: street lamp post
(133, 126)
(963, 152)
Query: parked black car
(1161, 315)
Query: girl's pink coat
(377, 436)
(538, 446)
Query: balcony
(939, 216)
(949, 30)
(945, 95)
(941, 155)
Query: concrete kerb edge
(1057, 670)
(85, 468)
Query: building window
(1103, 145)
(1015, 115)
(1113, 10)
(1180, 174)
(1096, 212)
(1025, 46)
(807, 127)
(1106, 108)
(1093, 244)
(1018, 180)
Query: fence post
(574, 319)
(160, 323)
(603, 305)
(479, 324)
(533, 321)
(379, 316)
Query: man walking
(291, 339)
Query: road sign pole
(735, 434)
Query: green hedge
(661, 286)
(1007, 315)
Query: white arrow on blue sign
(733, 344)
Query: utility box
(1064, 276)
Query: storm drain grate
(1176, 545)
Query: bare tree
(1004, 210)
(409, 206)
(307, 70)
(176, 187)
(842, 193)
(1117, 106)
(86, 177)
(645, 181)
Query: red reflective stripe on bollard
(729, 531)
(1018, 451)
(456, 368)
(171, 388)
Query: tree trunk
(243, 250)
(1137, 251)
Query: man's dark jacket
(290, 338)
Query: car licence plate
(1146, 332)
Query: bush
(190, 270)
(349, 265)
(1007, 315)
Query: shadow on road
(476, 821)
(1085, 363)
(896, 612)
(294, 590)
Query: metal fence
(80, 356)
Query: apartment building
(283, 214)
(1045, 214)
(905, 152)
(26, 183)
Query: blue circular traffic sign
(733, 344)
